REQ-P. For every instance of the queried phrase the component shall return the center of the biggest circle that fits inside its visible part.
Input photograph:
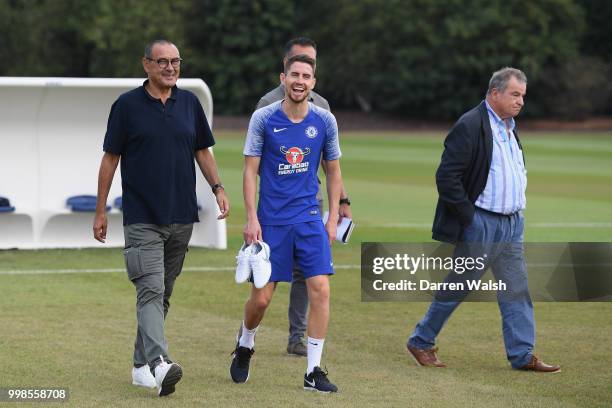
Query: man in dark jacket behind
(481, 184)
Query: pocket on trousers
(133, 263)
(469, 231)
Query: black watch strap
(345, 201)
(217, 187)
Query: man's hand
(252, 231)
(223, 203)
(345, 211)
(108, 165)
(331, 227)
(100, 226)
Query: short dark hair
(302, 41)
(301, 58)
(149, 47)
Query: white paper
(344, 230)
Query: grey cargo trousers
(154, 256)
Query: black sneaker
(241, 358)
(317, 381)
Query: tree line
(410, 58)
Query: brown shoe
(540, 366)
(425, 357)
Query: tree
(434, 57)
(414, 58)
(236, 47)
(119, 31)
(43, 38)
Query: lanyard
(504, 136)
(503, 131)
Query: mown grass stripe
(114, 270)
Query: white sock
(315, 350)
(248, 337)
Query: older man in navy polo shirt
(156, 130)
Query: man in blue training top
(284, 145)
(298, 295)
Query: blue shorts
(305, 243)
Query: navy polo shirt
(157, 144)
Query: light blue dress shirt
(504, 192)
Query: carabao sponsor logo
(294, 155)
(295, 158)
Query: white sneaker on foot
(243, 269)
(167, 374)
(142, 377)
(260, 264)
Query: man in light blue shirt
(504, 192)
(481, 183)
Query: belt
(499, 214)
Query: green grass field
(76, 329)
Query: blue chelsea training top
(290, 155)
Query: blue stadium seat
(5, 205)
(83, 203)
(118, 203)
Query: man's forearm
(343, 193)
(208, 166)
(249, 186)
(334, 187)
(249, 190)
(108, 165)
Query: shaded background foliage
(410, 58)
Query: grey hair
(499, 80)
(149, 47)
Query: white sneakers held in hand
(260, 264)
(243, 270)
(254, 260)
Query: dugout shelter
(51, 135)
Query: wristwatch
(217, 187)
(345, 201)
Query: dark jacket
(463, 172)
